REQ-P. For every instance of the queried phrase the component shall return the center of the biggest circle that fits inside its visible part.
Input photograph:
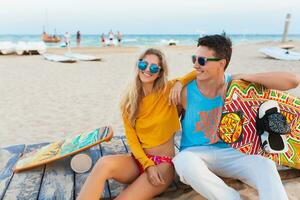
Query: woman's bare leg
(142, 189)
(108, 167)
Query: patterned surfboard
(61, 149)
(239, 118)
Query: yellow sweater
(156, 122)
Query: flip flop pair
(272, 128)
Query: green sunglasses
(202, 60)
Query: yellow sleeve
(135, 145)
(184, 80)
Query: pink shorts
(156, 159)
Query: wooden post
(286, 27)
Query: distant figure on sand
(103, 40)
(78, 38)
(67, 40)
(111, 38)
(119, 37)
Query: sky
(149, 16)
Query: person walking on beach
(119, 37)
(111, 38)
(103, 40)
(203, 156)
(67, 38)
(78, 38)
(150, 122)
(67, 41)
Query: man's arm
(271, 80)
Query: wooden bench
(57, 180)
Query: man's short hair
(221, 45)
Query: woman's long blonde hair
(133, 95)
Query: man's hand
(174, 96)
(154, 176)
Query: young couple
(151, 118)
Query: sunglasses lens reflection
(201, 60)
(154, 69)
(142, 65)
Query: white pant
(198, 167)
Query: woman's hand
(174, 96)
(154, 176)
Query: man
(67, 41)
(111, 38)
(119, 37)
(78, 38)
(203, 155)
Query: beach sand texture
(44, 101)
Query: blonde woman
(150, 123)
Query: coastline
(45, 101)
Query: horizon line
(16, 34)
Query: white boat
(30, 48)
(21, 48)
(170, 42)
(7, 47)
(59, 58)
(82, 57)
(173, 42)
(279, 53)
(40, 47)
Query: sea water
(89, 40)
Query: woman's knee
(105, 165)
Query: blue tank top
(201, 120)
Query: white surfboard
(82, 57)
(7, 47)
(30, 48)
(59, 58)
(280, 54)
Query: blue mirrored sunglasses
(202, 60)
(154, 68)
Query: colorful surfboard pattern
(239, 119)
(61, 149)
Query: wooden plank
(95, 154)
(286, 174)
(8, 158)
(115, 146)
(58, 181)
(26, 185)
(124, 140)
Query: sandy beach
(44, 101)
